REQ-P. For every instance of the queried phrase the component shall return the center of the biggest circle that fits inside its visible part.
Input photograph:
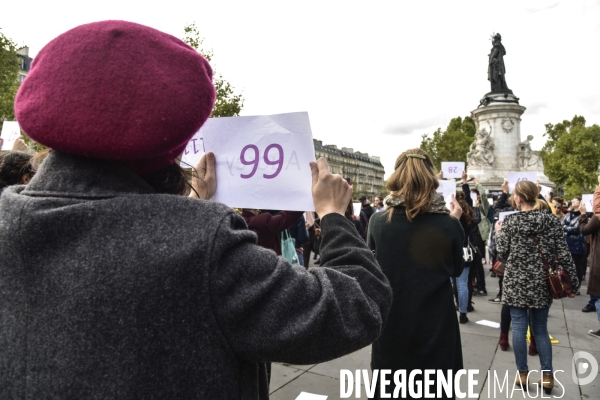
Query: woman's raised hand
(331, 193)
(204, 179)
(455, 208)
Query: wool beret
(116, 90)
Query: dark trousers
(477, 264)
(580, 264)
(307, 248)
(505, 319)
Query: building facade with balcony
(365, 171)
(24, 62)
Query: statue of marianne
(496, 69)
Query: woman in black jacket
(469, 220)
(402, 238)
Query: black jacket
(419, 258)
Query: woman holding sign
(469, 220)
(525, 285)
(113, 284)
(422, 332)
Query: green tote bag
(288, 248)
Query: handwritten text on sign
(10, 133)
(453, 169)
(262, 161)
(514, 177)
(194, 150)
(545, 190)
(588, 201)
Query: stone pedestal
(499, 148)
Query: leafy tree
(228, 103)
(572, 155)
(9, 74)
(451, 144)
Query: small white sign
(357, 207)
(262, 161)
(474, 197)
(545, 190)
(515, 177)
(491, 324)
(311, 396)
(447, 188)
(588, 200)
(503, 215)
(10, 133)
(193, 151)
(453, 169)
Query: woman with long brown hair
(419, 274)
(519, 240)
(468, 220)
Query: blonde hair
(528, 191)
(414, 178)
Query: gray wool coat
(109, 290)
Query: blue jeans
(463, 290)
(539, 329)
(300, 257)
(598, 308)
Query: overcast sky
(372, 75)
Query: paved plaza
(566, 323)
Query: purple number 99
(254, 161)
(278, 161)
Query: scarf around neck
(438, 205)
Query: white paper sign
(311, 396)
(474, 197)
(545, 190)
(491, 324)
(357, 207)
(262, 161)
(446, 189)
(515, 177)
(503, 215)
(193, 151)
(453, 169)
(588, 200)
(10, 133)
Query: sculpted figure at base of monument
(529, 159)
(482, 148)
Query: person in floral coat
(525, 285)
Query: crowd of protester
(120, 280)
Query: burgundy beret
(116, 90)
